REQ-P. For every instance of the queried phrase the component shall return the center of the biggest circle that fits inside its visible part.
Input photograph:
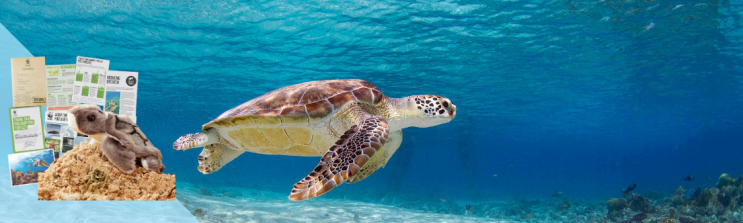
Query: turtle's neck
(400, 113)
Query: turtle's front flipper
(394, 139)
(196, 140)
(214, 156)
(344, 160)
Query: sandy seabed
(270, 207)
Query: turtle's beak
(453, 111)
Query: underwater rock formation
(639, 203)
(616, 206)
(84, 173)
(725, 180)
(703, 198)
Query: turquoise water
(585, 97)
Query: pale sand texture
(64, 180)
(261, 206)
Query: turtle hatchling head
(432, 110)
(87, 119)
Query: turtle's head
(87, 119)
(424, 111)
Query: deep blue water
(582, 96)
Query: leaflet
(121, 93)
(58, 136)
(29, 81)
(26, 129)
(89, 86)
(60, 80)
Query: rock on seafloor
(84, 173)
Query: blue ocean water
(585, 97)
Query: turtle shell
(289, 118)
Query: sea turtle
(38, 163)
(350, 123)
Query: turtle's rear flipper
(215, 156)
(196, 140)
(344, 160)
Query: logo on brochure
(49, 116)
(28, 61)
(131, 81)
(15, 113)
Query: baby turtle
(350, 123)
(122, 142)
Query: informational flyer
(60, 80)
(29, 81)
(26, 127)
(121, 93)
(90, 85)
(58, 136)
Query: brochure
(59, 136)
(29, 81)
(25, 167)
(89, 85)
(59, 82)
(121, 93)
(26, 129)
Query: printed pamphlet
(59, 82)
(58, 136)
(121, 93)
(27, 129)
(89, 86)
(29, 81)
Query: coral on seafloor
(680, 191)
(639, 203)
(675, 205)
(721, 203)
(725, 180)
(704, 198)
(84, 173)
(616, 207)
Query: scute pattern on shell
(314, 99)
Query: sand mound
(85, 174)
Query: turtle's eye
(91, 118)
(446, 104)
